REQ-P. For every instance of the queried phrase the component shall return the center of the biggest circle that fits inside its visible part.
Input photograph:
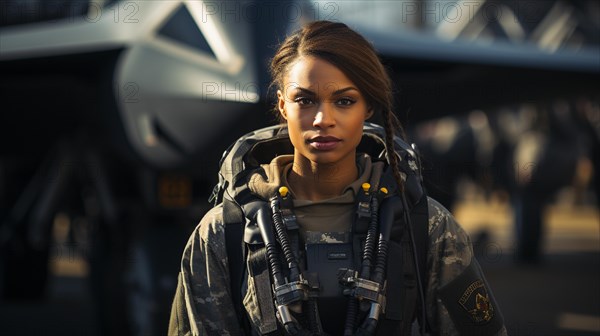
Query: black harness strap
(419, 220)
(233, 220)
(420, 223)
(257, 263)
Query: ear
(369, 113)
(281, 104)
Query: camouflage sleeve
(202, 303)
(459, 300)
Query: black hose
(314, 321)
(379, 274)
(266, 231)
(351, 315)
(293, 329)
(370, 241)
(367, 328)
(273, 256)
(388, 210)
(365, 272)
(284, 240)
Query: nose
(324, 117)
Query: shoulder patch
(471, 304)
(476, 301)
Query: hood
(266, 181)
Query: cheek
(356, 128)
(300, 120)
(294, 125)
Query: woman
(329, 81)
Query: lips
(324, 143)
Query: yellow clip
(384, 190)
(366, 187)
(283, 191)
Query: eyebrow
(337, 92)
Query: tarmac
(560, 295)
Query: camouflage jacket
(459, 300)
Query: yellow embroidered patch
(476, 302)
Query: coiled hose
(266, 231)
(368, 326)
(370, 241)
(351, 316)
(314, 321)
(293, 328)
(388, 209)
(367, 261)
(379, 274)
(284, 240)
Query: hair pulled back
(349, 51)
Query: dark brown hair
(349, 51)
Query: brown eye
(303, 101)
(345, 102)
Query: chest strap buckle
(291, 292)
(361, 289)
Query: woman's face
(324, 111)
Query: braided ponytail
(391, 124)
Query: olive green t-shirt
(335, 214)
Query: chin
(324, 161)
(325, 157)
